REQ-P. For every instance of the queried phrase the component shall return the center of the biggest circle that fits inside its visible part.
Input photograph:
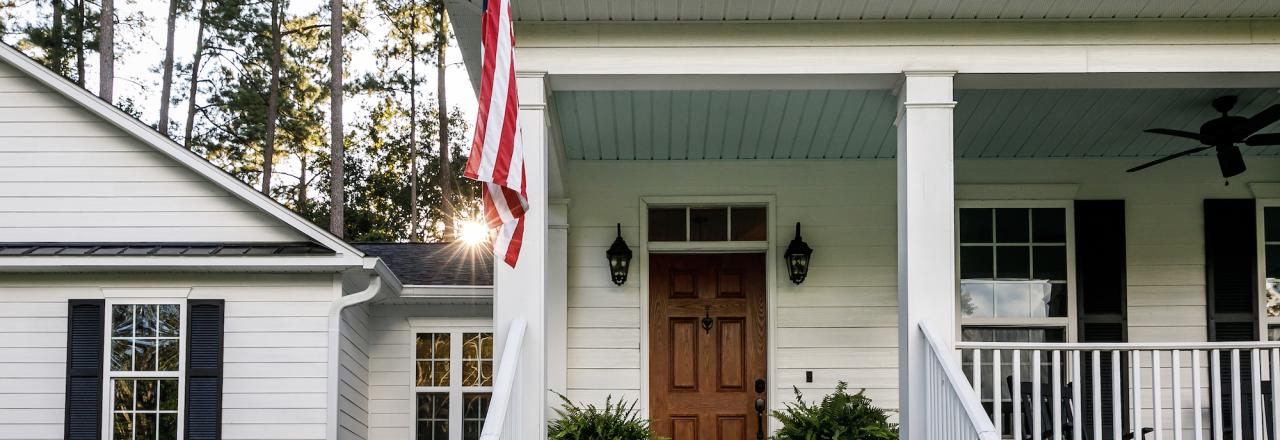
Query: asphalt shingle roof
(435, 264)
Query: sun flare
(474, 232)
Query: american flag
(497, 153)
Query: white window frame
(110, 376)
(1067, 323)
(1264, 321)
(455, 390)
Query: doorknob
(759, 419)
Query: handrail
(504, 382)
(941, 358)
(1103, 346)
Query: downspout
(376, 286)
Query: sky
(138, 67)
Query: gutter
(381, 281)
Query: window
(144, 362)
(1014, 273)
(453, 382)
(708, 223)
(1271, 268)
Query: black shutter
(85, 329)
(1101, 294)
(204, 369)
(1231, 264)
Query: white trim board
(145, 134)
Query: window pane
(424, 374)
(486, 346)
(1013, 300)
(123, 395)
(441, 346)
(1271, 217)
(975, 225)
(423, 348)
(1050, 262)
(168, 395)
(169, 316)
(1049, 225)
(168, 426)
(473, 414)
(977, 300)
(1013, 262)
(709, 224)
(470, 345)
(440, 375)
(1055, 299)
(433, 416)
(1273, 333)
(146, 323)
(148, 395)
(168, 355)
(750, 224)
(146, 428)
(1273, 261)
(122, 427)
(122, 320)
(666, 224)
(121, 355)
(1273, 297)
(1012, 225)
(144, 355)
(976, 262)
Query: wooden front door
(707, 346)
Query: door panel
(707, 345)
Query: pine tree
(107, 51)
(337, 153)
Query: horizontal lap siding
(67, 175)
(841, 323)
(353, 374)
(275, 349)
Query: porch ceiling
(703, 10)
(858, 124)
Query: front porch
(888, 185)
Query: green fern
(616, 421)
(840, 416)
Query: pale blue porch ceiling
(858, 124)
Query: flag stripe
(497, 152)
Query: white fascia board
(451, 292)
(330, 263)
(168, 147)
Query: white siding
(391, 366)
(353, 374)
(841, 323)
(275, 349)
(66, 175)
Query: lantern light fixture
(797, 255)
(619, 258)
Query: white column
(926, 233)
(557, 301)
(522, 292)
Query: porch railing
(497, 424)
(953, 410)
(1118, 391)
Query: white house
(982, 261)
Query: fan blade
(1262, 120)
(1258, 140)
(1178, 133)
(1167, 158)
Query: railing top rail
(959, 385)
(504, 382)
(1117, 345)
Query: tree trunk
(273, 100)
(414, 234)
(337, 154)
(80, 12)
(196, 59)
(446, 169)
(166, 82)
(301, 205)
(58, 53)
(106, 51)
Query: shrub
(616, 421)
(840, 416)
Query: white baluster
(1157, 422)
(1135, 391)
(1077, 419)
(1237, 428)
(1097, 394)
(1036, 427)
(1196, 416)
(1117, 421)
(1056, 395)
(1016, 393)
(1176, 365)
(997, 407)
(1275, 392)
(1255, 383)
(977, 372)
(1215, 391)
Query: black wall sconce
(619, 258)
(797, 255)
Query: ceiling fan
(1223, 133)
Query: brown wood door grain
(702, 375)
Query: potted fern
(839, 416)
(615, 421)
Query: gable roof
(434, 264)
(168, 148)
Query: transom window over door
(144, 362)
(668, 223)
(453, 383)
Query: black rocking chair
(1046, 412)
